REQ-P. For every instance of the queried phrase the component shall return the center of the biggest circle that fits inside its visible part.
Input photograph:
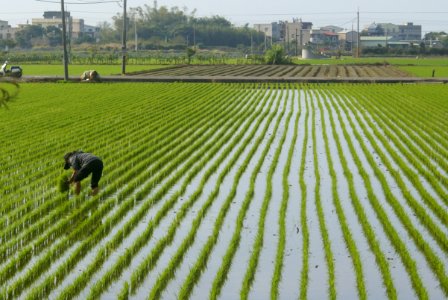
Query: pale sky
(431, 14)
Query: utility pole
(251, 45)
(135, 31)
(358, 52)
(351, 39)
(123, 48)
(194, 35)
(297, 42)
(64, 41)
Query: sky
(431, 14)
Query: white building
(75, 27)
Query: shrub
(276, 56)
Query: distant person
(90, 75)
(83, 165)
(3, 69)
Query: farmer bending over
(90, 75)
(83, 164)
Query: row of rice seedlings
(106, 130)
(231, 250)
(177, 258)
(197, 268)
(116, 133)
(422, 123)
(108, 206)
(321, 217)
(303, 215)
(42, 150)
(407, 146)
(35, 211)
(402, 128)
(280, 252)
(420, 211)
(362, 217)
(349, 241)
(116, 269)
(258, 243)
(416, 110)
(434, 110)
(138, 275)
(132, 174)
(392, 234)
(127, 204)
(434, 261)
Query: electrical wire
(82, 2)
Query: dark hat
(67, 164)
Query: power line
(90, 2)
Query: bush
(277, 56)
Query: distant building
(3, 24)
(348, 39)
(6, 31)
(375, 41)
(409, 32)
(324, 39)
(406, 32)
(75, 27)
(331, 28)
(285, 31)
(349, 36)
(271, 30)
(390, 29)
(296, 32)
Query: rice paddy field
(227, 191)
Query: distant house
(324, 39)
(271, 30)
(406, 32)
(331, 28)
(375, 41)
(287, 32)
(6, 31)
(409, 32)
(3, 24)
(75, 27)
(349, 36)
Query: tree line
(154, 27)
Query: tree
(24, 37)
(176, 28)
(191, 51)
(54, 35)
(277, 56)
(107, 34)
(7, 43)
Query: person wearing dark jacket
(83, 165)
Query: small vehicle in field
(14, 71)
